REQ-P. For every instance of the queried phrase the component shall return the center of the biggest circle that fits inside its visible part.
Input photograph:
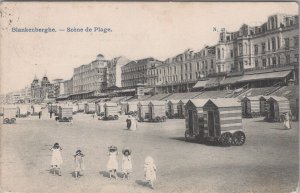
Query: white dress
(126, 164)
(133, 124)
(112, 163)
(56, 159)
(287, 121)
(79, 166)
(150, 172)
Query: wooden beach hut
(172, 109)
(157, 111)
(251, 106)
(276, 107)
(110, 111)
(143, 110)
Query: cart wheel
(6, 121)
(13, 120)
(157, 119)
(163, 119)
(116, 117)
(226, 139)
(238, 138)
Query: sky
(139, 30)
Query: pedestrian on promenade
(150, 171)
(50, 114)
(133, 125)
(126, 163)
(286, 122)
(112, 164)
(56, 159)
(128, 121)
(79, 164)
(40, 114)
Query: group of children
(112, 164)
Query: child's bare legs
(151, 184)
(58, 171)
(53, 170)
(110, 171)
(76, 174)
(115, 174)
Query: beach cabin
(36, 109)
(218, 120)
(194, 123)
(131, 107)
(276, 107)
(23, 110)
(143, 110)
(80, 106)
(100, 108)
(250, 106)
(157, 111)
(181, 108)
(172, 109)
(262, 104)
(90, 108)
(110, 111)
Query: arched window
(223, 53)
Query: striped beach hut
(131, 107)
(251, 106)
(181, 108)
(194, 123)
(276, 107)
(90, 108)
(143, 110)
(262, 104)
(80, 106)
(157, 110)
(110, 111)
(223, 121)
(172, 109)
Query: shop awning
(264, 76)
(230, 80)
(200, 84)
(213, 82)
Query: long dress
(56, 159)
(133, 124)
(150, 172)
(287, 121)
(79, 166)
(126, 164)
(112, 163)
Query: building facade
(91, 77)
(273, 44)
(135, 72)
(68, 86)
(41, 90)
(114, 71)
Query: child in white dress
(56, 159)
(112, 164)
(126, 163)
(150, 170)
(79, 165)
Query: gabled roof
(110, 104)
(157, 103)
(277, 98)
(173, 101)
(226, 102)
(143, 103)
(198, 102)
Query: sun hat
(112, 148)
(126, 149)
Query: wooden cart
(157, 111)
(251, 107)
(276, 107)
(143, 111)
(65, 113)
(110, 111)
(9, 114)
(217, 120)
(172, 109)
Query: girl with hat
(112, 164)
(126, 163)
(79, 166)
(56, 159)
(150, 170)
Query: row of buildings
(268, 52)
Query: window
(190, 66)
(198, 66)
(269, 47)
(231, 53)
(186, 67)
(223, 56)
(264, 62)
(211, 63)
(273, 44)
(263, 47)
(286, 43)
(274, 61)
(255, 49)
(278, 42)
(218, 53)
(191, 76)
(287, 59)
(296, 41)
(297, 57)
(256, 63)
(278, 60)
(240, 49)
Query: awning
(147, 90)
(230, 80)
(200, 84)
(264, 76)
(213, 82)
